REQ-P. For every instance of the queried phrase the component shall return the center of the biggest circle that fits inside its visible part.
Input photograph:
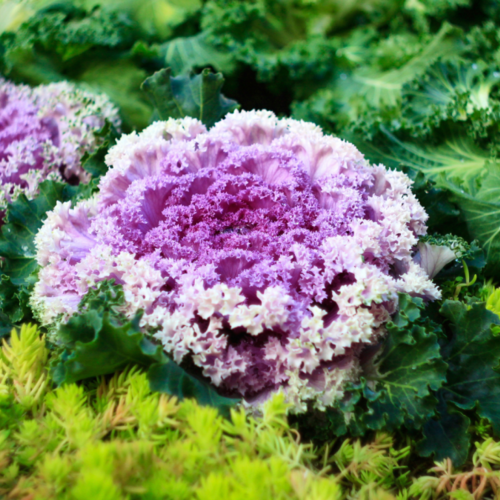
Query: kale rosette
(263, 251)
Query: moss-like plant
(113, 438)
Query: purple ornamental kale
(44, 133)
(263, 251)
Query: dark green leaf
(407, 370)
(410, 367)
(473, 356)
(13, 304)
(99, 344)
(447, 436)
(23, 219)
(170, 378)
(198, 96)
(398, 382)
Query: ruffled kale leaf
(457, 91)
(198, 96)
(99, 340)
(468, 173)
(98, 344)
(458, 158)
(170, 378)
(473, 358)
(447, 435)
(23, 219)
(472, 353)
(399, 381)
(71, 31)
(410, 367)
(37, 50)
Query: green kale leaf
(400, 381)
(446, 436)
(473, 357)
(18, 265)
(198, 96)
(472, 353)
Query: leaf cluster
(198, 96)
(435, 374)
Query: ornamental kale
(263, 252)
(44, 133)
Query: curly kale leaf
(369, 89)
(99, 340)
(66, 31)
(23, 219)
(98, 344)
(456, 91)
(198, 96)
(91, 48)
